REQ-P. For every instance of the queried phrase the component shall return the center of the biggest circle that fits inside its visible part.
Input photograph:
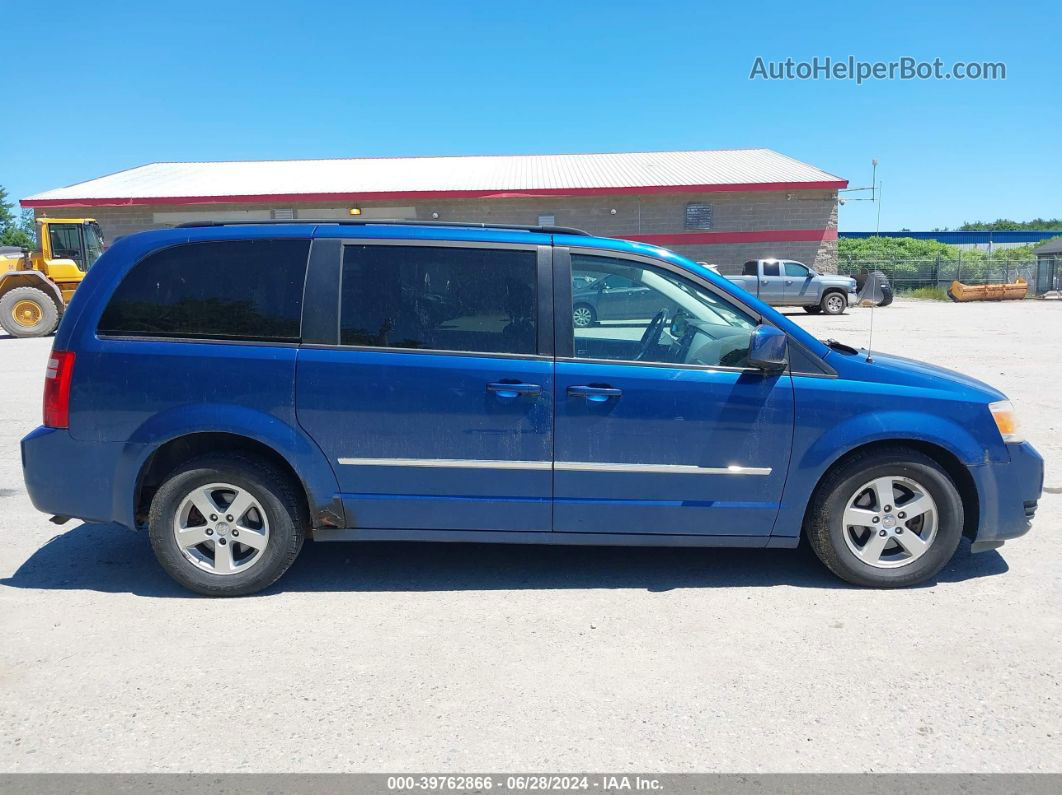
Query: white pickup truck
(781, 282)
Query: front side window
(796, 269)
(657, 317)
(476, 300)
(66, 242)
(232, 290)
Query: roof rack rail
(547, 230)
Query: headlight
(1006, 421)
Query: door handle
(788, 281)
(594, 394)
(510, 390)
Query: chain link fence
(907, 275)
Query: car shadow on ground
(110, 559)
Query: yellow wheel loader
(36, 286)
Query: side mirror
(768, 349)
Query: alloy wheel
(582, 316)
(221, 528)
(890, 522)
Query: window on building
(698, 215)
(547, 220)
(448, 299)
(240, 290)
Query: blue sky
(107, 86)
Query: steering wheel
(651, 337)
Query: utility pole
(881, 192)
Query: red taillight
(57, 389)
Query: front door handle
(505, 389)
(594, 394)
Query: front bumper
(1009, 493)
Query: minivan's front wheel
(886, 518)
(226, 525)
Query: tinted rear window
(449, 299)
(239, 289)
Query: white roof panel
(479, 175)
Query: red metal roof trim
(449, 194)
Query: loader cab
(35, 289)
(77, 240)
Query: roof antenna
(871, 295)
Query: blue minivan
(236, 388)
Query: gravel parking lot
(469, 658)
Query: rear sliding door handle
(507, 390)
(594, 394)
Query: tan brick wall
(634, 215)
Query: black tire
(281, 502)
(579, 310)
(887, 296)
(814, 309)
(830, 306)
(826, 533)
(28, 312)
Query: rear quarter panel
(144, 392)
(749, 284)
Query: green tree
(15, 229)
(1006, 225)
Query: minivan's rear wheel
(834, 303)
(886, 518)
(226, 525)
